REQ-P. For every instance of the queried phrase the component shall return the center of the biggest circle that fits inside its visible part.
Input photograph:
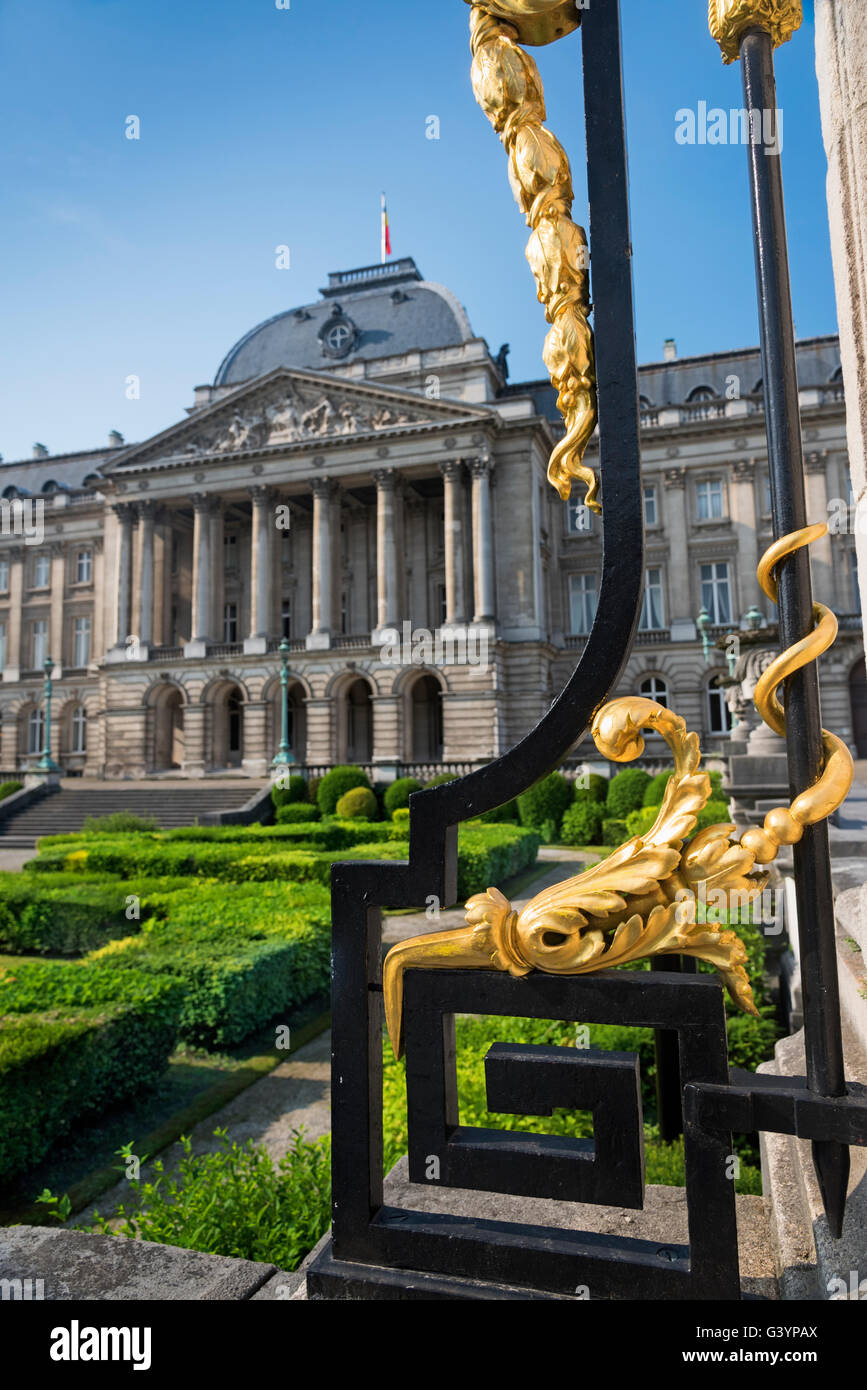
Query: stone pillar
(386, 552)
(124, 513)
(146, 518)
(681, 617)
(453, 544)
(194, 740)
(483, 542)
(97, 636)
(215, 625)
(841, 68)
(830, 580)
(55, 613)
(256, 758)
(319, 636)
(197, 646)
(261, 572)
(12, 669)
(745, 521)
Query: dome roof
(376, 311)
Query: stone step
(172, 807)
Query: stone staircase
(170, 803)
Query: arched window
(427, 720)
(78, 730)
(645, 403)
(719, 716)
(655, 688)
(91, 480)
(359, 723)
(36, 731)
(702, 393)
(50, 486)
(759, 388)
(10, 492)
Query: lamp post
(753, 619)
(284, 756)
(702, 622)
(46, 762)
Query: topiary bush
(401, 817)
(357, 804)
(582, 823)
(626, 793)
(716, 787)
(639, 822)
(313, 790)
(7, 788)
(118, 823)
(655, 791)
(545, 801)
(591, 786)
(714, 813)
(441, 779)
(333, 785)
(398, 793)
(289, 792)
(295, 811)
(507, 814)
(614, 832)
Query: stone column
(97, 646)
(12, 669)
(830, 579)
(483, 542)
(256, 760)
(323, 565)
(386, 551)
(745, 520)
(261, 570)
(217, 587)
(681, 618)
(146, 518)
(124, 513)
(197, 647)
(453, 545)
(194, 764)
(55, 613)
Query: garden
(142, 970)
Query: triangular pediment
(290, 408)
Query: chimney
(115, 438)
(40, 451)
(669, 350)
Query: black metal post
(822, 1031)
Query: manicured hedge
(295, 812)
(582, 823)
(591, 786)
(74, 1039)
(335, 783)
(293, 789)
(544, 802)
(7, 788)
(397, 794)
(626, 793)
(655, 789)
(358, 804)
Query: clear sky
(263, 126)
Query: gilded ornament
(509, 90)
(536, 22)
(728, 19)
(642, 900)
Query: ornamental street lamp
(46, 762)
(702, 622)
(753, 619)
(284, 756)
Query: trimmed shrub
(118, 823)
(292, 812)
(626, 793)
(293, 790)
(655, 791)
(313, 790)
(506, 814)
(488, 855)
(716, 787)
(73, 1040)
(65, 920)
(546, 800)
(639, 822)
(7, 788)
(358, 804)
(614, 832)
(441, 779)
(398, 793)
(582, 823)
(333, 785)
(595, 790)
(714, 813)
(401, 817)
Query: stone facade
(362, 480)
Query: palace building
(363, 480)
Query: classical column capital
(261, 494)
(385, 479)
(204, 502)
(481, 467)
(323, 487)
(743, 469)
(124, 511)
(816, 462)
(56, 548)
(147, 511)
(675, 477)
(451, 469)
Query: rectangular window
(230, 622)
(83, 567)
(579, 518)
(854, 586)
(4, 575)
(2, 646)
(716, 592)
(766, 508)
(81, 642)
(441, 602)
(709, 495)
(582, 601)
(41, 571)
(286, 619)
(651, 515)
(79, 730)
(39, 642)
(652, 610)
(230, 550)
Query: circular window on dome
(338, 334)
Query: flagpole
(382, 255)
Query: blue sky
(262, 126)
